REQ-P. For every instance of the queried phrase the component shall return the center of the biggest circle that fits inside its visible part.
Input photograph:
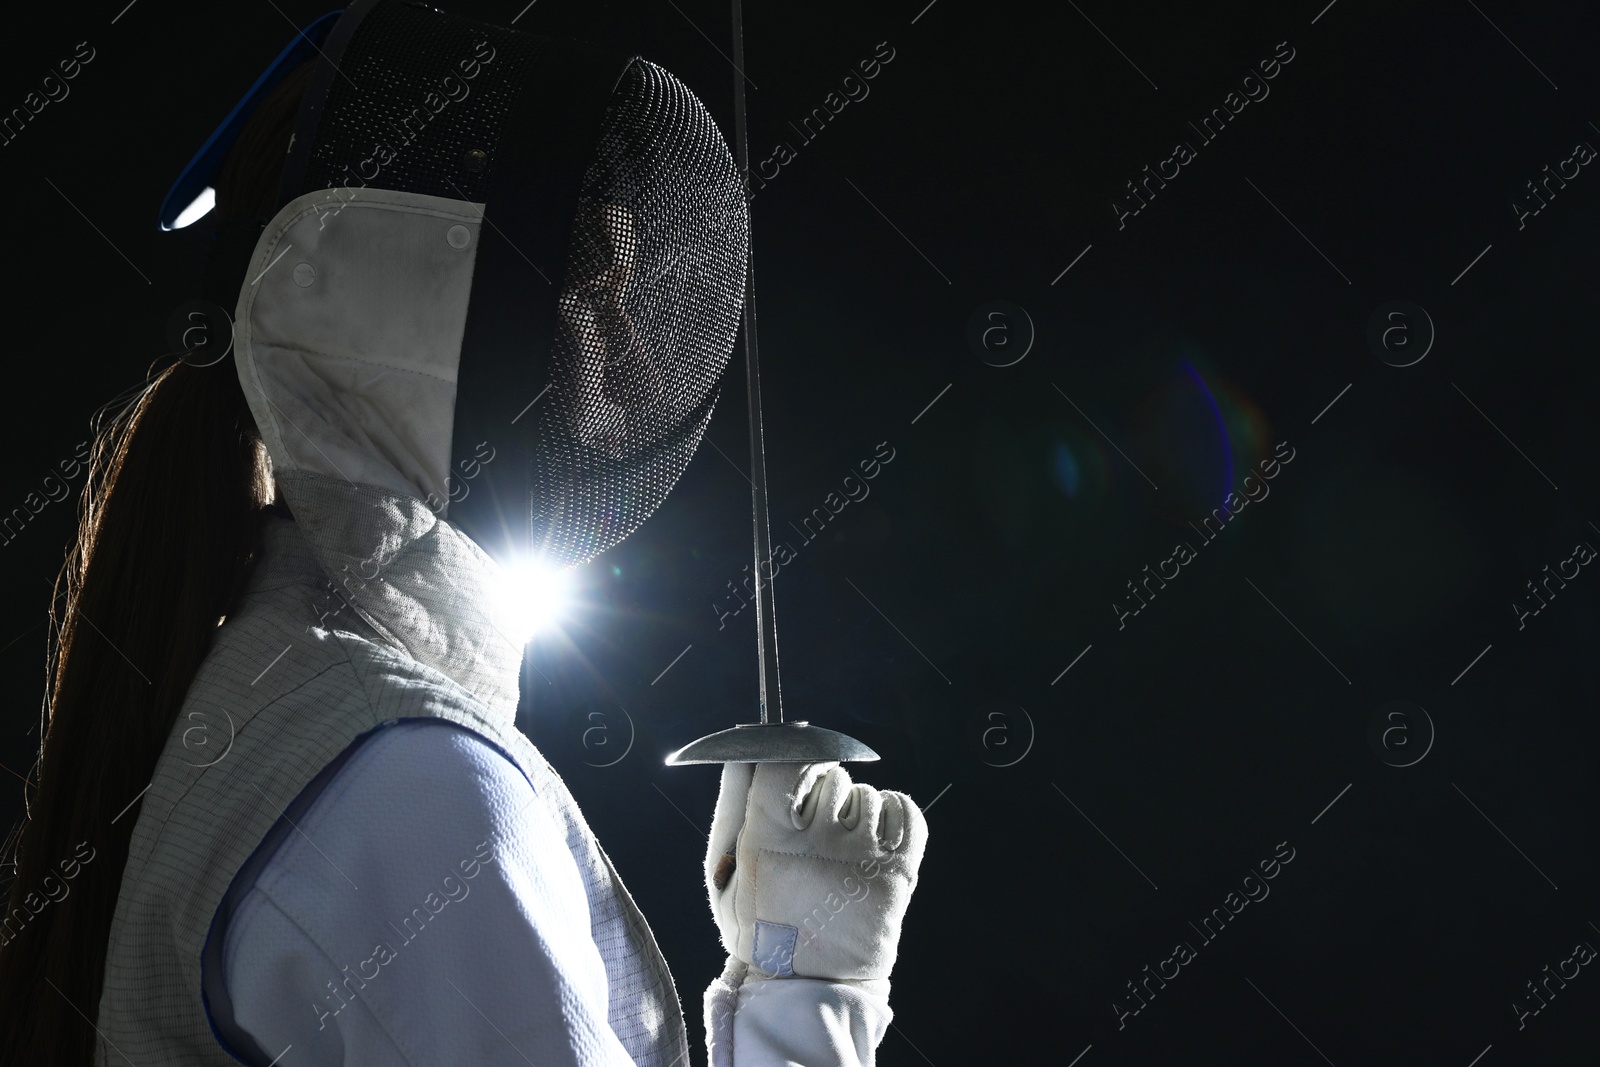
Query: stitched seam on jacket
(286, 346)
(190, 788)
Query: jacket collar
(424, 586)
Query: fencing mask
(505, 276)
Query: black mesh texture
(401, 114)
(649, 309)
(654, 281)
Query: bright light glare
(197, 208)
(532, 598)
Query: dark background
(1221, 321)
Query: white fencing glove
(809, 875)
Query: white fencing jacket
(348, 854)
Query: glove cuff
(721, 1001)
(738, 974)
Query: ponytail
(169, 527)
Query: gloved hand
(809, 875)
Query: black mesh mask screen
(400, 110)
(643, 316)
(646, 317)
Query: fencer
(483, 288)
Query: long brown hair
(169, 526)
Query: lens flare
(1222, 427)
(1064, 466)
(532, 598)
